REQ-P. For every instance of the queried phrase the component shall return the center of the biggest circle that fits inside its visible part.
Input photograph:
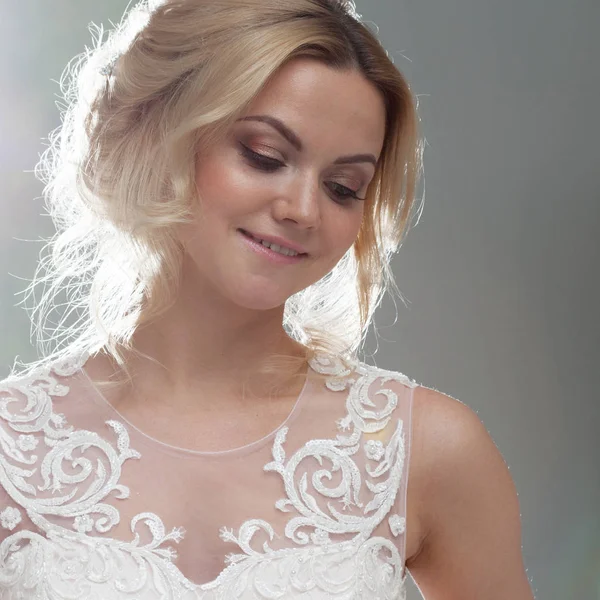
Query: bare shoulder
(439, 424)
(446, 429)
(465, 504)
(449, 444)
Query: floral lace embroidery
(10, 517)
(363, 565)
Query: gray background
(500, 275)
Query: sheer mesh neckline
(325, 513)
(252, 446)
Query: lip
(265, 252)
(277, 240)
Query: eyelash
(269, 165)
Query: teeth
(279, 249)
(276, 247)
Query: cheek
(215, 184)
(222, 173)
(341, 233)
(345, 229)
(227, 192)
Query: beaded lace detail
(332, 551)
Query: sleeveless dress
(93, 508)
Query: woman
(229, 184)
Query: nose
(299, 203)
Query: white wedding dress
(91, 507)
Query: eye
(342, 192)
(264, 163)
(269, 165)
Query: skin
(463, 519)
(227, 319)
(463, 526)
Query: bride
(229, 184)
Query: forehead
(326, 107)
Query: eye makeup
(342, 194)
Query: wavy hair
(170, 78)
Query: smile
(271, 250)
(275, 247)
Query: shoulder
(25, 409)
(451, 451)
(468, 508)
(446, 429)
(30, 431)
(27, 415)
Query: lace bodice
(91, 507)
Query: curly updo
(172, 77)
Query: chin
(261, 303)
(258, 297)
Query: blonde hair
(172, 77)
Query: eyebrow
(295, 141)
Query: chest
(315, 509)
(217, 429)
(236, 507)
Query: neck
(202, 346)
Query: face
(293, 170)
